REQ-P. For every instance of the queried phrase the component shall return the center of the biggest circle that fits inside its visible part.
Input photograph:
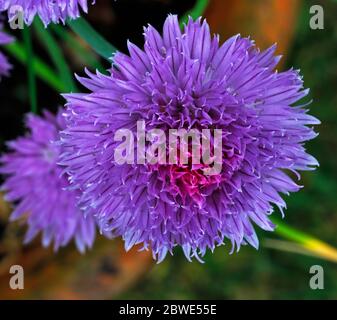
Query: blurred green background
(270, 273)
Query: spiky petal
(188, 80)
(48, 10)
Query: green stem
(88, 57)
(43, 71)
(311, 244)
(101, 46)
(290, 233)
(196, 12)
(30, 69)
(56, 55)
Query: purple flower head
(4, 64)
(48, 10)
(34, 183)
(188, 80)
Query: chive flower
(49, 11)
(35, 185)
(188, 80)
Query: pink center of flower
(185, 182)
(193, 183)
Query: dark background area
(267, 273)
